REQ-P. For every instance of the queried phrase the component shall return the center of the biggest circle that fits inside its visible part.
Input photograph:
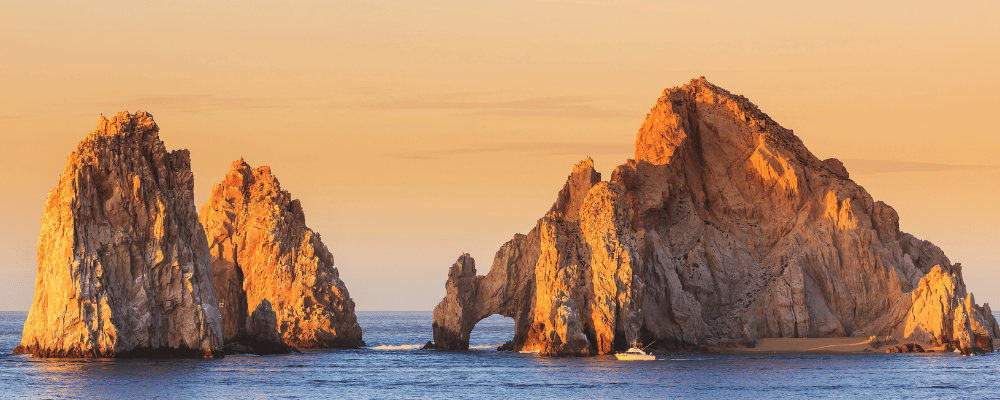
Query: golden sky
(414, 131)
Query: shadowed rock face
(123, 264)
(262, 332)
(262, 249)
(723, 226)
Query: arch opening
(491, 332)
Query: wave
(400, 347)
(489, 346)
(419, 346)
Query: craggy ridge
(723, 228)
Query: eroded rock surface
(940, 311)
(261, 335)
(123, 263)
(723, 226)
(262, 249)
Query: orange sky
(413, 132)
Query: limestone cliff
(123, 264)
(262, 249)
(723, 227)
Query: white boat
(636, 354)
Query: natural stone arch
(568, 284)
(723, 227)
(472, 298)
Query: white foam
(400, 347)
(491, 347)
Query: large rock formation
(723, 226)
(123, 263)
(567, 284)
(262, 249)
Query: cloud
(546, 106)
(648, 5)
(536, 149)
(185, 103)
(884, 166)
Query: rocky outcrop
(260, 335)
(567, 284)
(940, 311)
(123, 264)
(723, 226)
(906, 348)
(451, 312)
(262, 249)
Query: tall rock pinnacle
(262, 249)
(123, 264)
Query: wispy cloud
(536, 149)
(185, 103)
(546, 106)
(650, 5)
(475, 103)
(883, 166)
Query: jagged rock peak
(452, 322)
(723, 228)
(677, 116)
(583, 177)
(262, 249)
(123, 264)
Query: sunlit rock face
(940, 311)
(262, 249)
(567, 283)
(123, 264)
(724, 226)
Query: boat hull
(635, 357)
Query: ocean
(392, 366)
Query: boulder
(906, 348)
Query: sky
(415, 131)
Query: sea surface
(392, 366)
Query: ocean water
(393, 367)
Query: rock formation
(260, 335)
(940, 311)
(123, 263)
(567, 284)
(261, 249)
(906, 348)
(723, 227)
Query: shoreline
(835, 345)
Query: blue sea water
(393, 367)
